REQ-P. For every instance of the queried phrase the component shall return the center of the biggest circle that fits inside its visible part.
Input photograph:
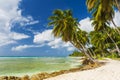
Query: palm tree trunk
(114, 23)
(85, 52)
(116, 27)
(91, 51)
(118, 6)
(102, 54)
(118, 50)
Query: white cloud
(70, 48)
(18, 36)
(9, 15)
(86, 24)
(25, 21)
(56, 43)
(7, 42)
(22, 47)
(11, 37)
(116, 19)
(46, 37)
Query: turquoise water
(20, 66)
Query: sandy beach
(109, 71)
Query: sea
(19, 66)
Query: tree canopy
(105, 40)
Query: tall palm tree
(80, 41)
(64, 24)
(92, 4)
(102, 11)
(66, 27)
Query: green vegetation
(105, 40)
(76, 54)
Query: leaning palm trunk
(118, 6)
(84, 51)
(91, 51)
(87, 50)
(116, 27)
(117, 48)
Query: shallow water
(19, 66)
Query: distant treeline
(80, 54)
(76, 54)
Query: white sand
(110, 71)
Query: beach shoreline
(109, 71)
(20, 66)
(45, 75)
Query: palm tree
(117, 4)
(66, 27)
(98, 40)
(105, 41)
(102, 11)
(80, 40)
(114, 37)
(107, 4)
(64, 24)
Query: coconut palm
(115, 38)
(92, 4)
(98, 40)
(64, 24)
(102, 11)
(117, 4)
(66, 27)
(105, 41)
(81, 40)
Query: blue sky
(24, 30)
